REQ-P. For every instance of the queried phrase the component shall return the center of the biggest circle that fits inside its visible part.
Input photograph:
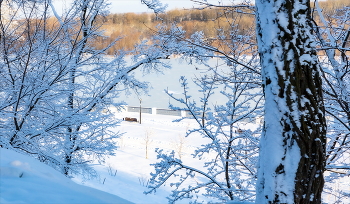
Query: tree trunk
(292, 149)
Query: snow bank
(26, 180)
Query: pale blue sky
(123, 6)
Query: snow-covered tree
(230, 153)
(229, 172)
(293, 144)
(57, 87)
(333, 36)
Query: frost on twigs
(224, 162)
(155, 5)
(228, 157)
(332, 33)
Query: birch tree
(293, 144)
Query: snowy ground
(26, 180)
(125, 175)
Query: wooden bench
(130, 119)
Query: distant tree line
(134, 27)
(137, 27)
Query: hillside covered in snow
(26, 180)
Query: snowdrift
(26, 180)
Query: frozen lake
(170, 80)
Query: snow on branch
(155, 5)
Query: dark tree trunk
(292, 155)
